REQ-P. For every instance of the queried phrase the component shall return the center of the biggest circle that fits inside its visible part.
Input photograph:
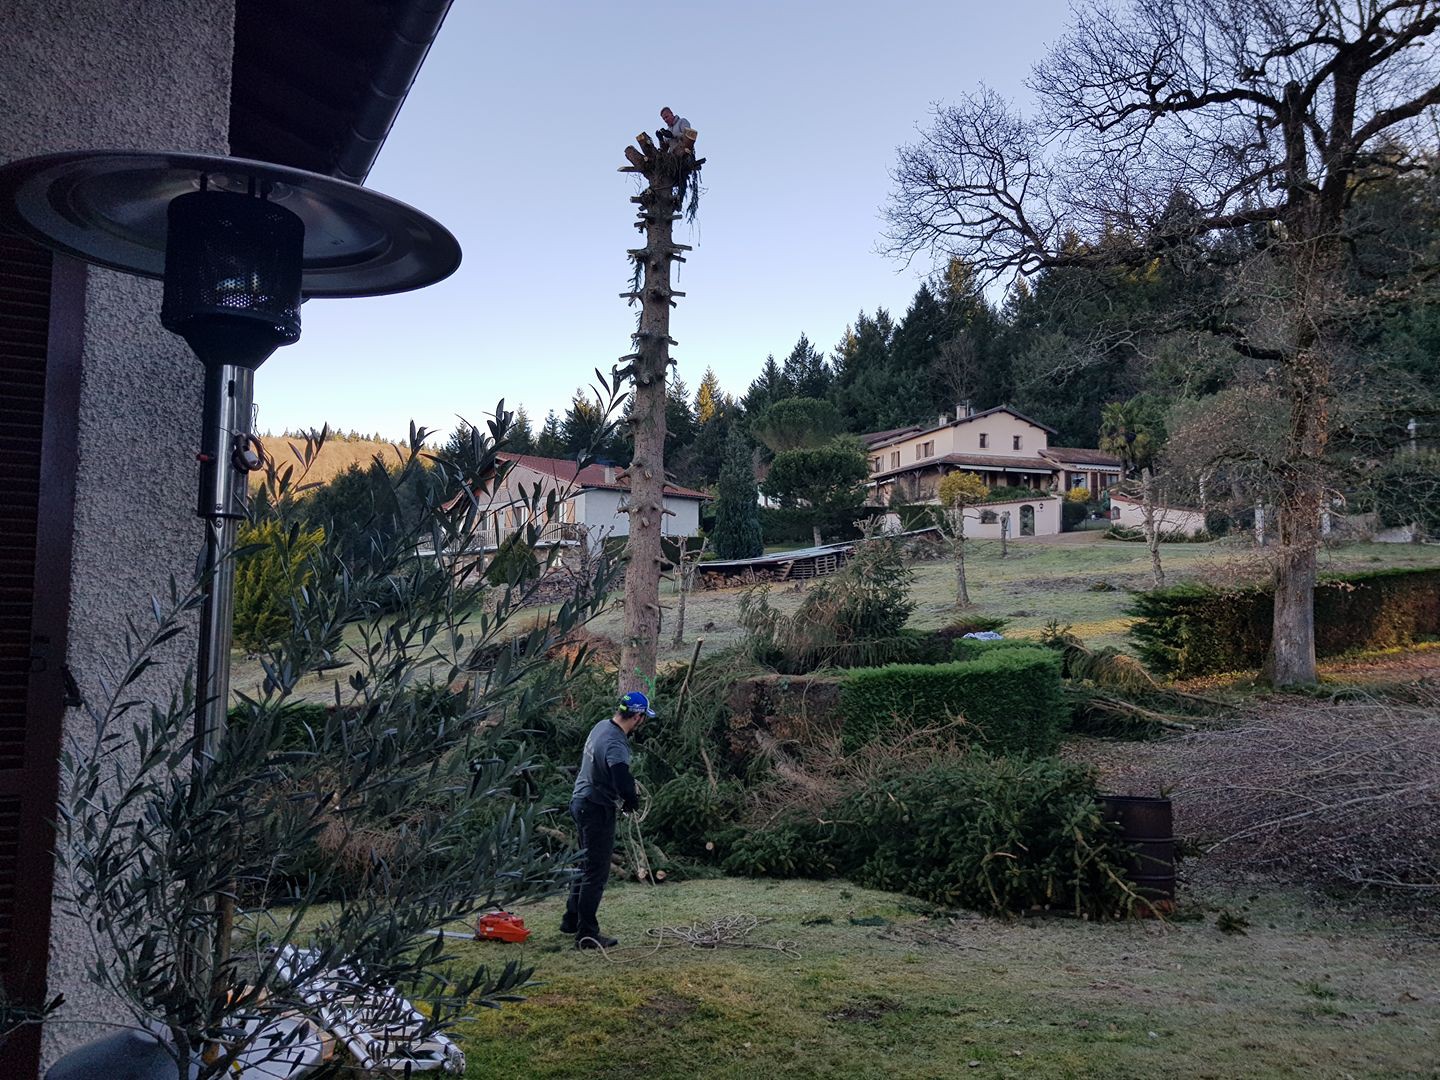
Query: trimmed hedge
(794, 525)
(1011, 697)
(1188, 630)
(987, 833)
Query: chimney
(609, 474)
(944, 419)
(963, 410)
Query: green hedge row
(1188, 630)
(794, 525)
(1010, 695)
(987, 833)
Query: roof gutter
(409, 44)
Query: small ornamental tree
(737, 510)
(828, 479)
(959, 490)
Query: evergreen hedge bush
(1189, 630)
(1010, 697)
(988, 833)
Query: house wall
(600, 510)
(1167, 518)
(149, 74)
(963, 437)
(1047, 519)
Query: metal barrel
(1147, 829)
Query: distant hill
(336, 456)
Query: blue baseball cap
(636, 702)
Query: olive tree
(402, 807)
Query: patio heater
(239, 246)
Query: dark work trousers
(597, 841)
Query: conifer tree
(552, 440)
(737, 510)
(709, 399)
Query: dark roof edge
(409, 44)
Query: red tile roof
(591, 476)
(1078, 455)
(874, 438)
(982, 461)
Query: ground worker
(603, 783)
(674, 129)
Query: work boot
(567, 926)
(595, 941)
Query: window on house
(984, 440)
(894, 459)
(876, 464)
(1016, 439)
(925, 449)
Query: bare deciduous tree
(1164, 128)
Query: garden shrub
(1073, 512)
(270, 570)
(1010, 697)
(687, 813)
(989, 833)
(794, 525)
(843, 620)
(513, 563)
(1190, 629)
(785, 851)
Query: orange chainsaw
(501, 926)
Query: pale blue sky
(511, 138)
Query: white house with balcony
(1004, 448)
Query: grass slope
(1039, 580)
(335, 458)
(1306, 991)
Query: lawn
(1077, 578)
(1299, 987)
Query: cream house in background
(1001, 446)
(590, 505)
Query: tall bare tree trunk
(1317, 283)
(659, 204)
(1291, 659)
(1152, 534)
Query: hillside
(335, 458)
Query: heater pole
(225, 439)
(225, 434)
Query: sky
(512, 135)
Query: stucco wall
(1167, 518)
(964, 438)
(149, 74)
(601, 510)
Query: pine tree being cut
(671, 172)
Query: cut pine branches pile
(1335, 792)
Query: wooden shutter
(41, 313)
